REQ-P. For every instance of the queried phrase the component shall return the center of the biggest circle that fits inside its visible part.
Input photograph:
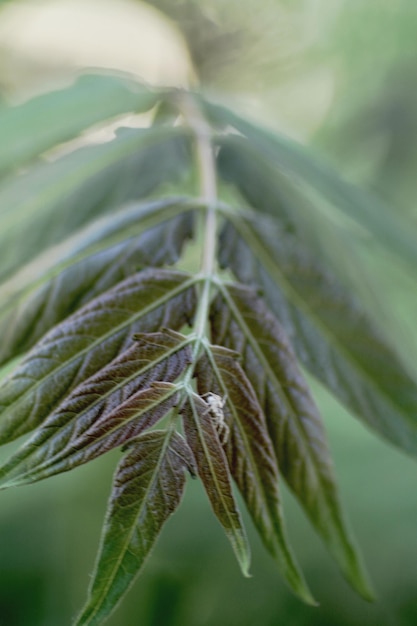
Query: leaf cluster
(188, 367)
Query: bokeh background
(340, 75)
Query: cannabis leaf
(95, 258)
(214, 473)
(250, 456)
(89, 339)
(148, 487)
(111, 406)
(37, 125)
(181, 367)
(241, 321)
(333, 337)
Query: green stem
(208, 188)
(208, 191)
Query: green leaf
(258, 181)
(89, 339)
(71, 274)
(251, 456)
(213, 470)
(264, 187)
(51, 200)
(308, 170)
(333, 337)
(148, 487)
(117, 403)
(241, 321)
(43, 122)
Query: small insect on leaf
(215, 410)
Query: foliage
(116, 348)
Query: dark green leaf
(241, 321)
(257, 180)
(213, 470)
(69, 275)
(148, 487)
(296, 160)
(251, 457)
(86, 341)
(51, 200)
(332, 336)
(33, 127)
(117, 403)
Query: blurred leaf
(47, 120)
(51, 200)
(308, 170)
(241, 321)
(117, 403)
(333, 338)
(67, 276)
(251, 456)
(215, 476)
(256, 178)
(89, 339)
(148, 487)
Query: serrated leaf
(215, 476)
(89, 339)
(71, 274)
(51, 200)
(148, 487)
(288, 156)
(251, 457)
(241, 322)
(117, 403)
(43, 122)
(333, 337)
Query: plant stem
(208, 189)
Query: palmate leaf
(89, 339)
(241, 322)
(215, 475)
(51, 200)
(47, 120)
(148, 487)
(99, 256)
(88, 293)
(332, 336)
(288, 156)
(251, 456)
(117, 403)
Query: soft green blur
(349, 84)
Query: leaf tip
(361, 582)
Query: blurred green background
(342, 76)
